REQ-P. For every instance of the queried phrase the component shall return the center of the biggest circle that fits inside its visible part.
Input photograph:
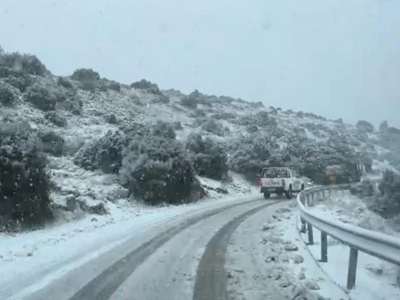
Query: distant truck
(281, 180)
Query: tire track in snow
(211, 277)
(104, 285)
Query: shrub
(64, 82)
(69, 101)
(210, 160)
(213, 127)
(147, 86)
(56, 119)
(16, 79)
(157, 170)
(164, 130)
(52, 143)
(177, 125)
(104, 154)
(83, 75)
(89, 85)
(6, 96)
(223, 116)
(41, 98)
(251, 153)
(24, 183)
(390, 190)
(111, 119)
(115, 86)
(162, 99)
(195, 98)
(260, 119)
(364, 126)
(383, 127)
(23, 62)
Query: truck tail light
(283, 182)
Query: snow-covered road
(94, 270)
(235, 248)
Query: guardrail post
(310, 234)
(352, 271)
(303, 225)
(324, 247)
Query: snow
(376, 279)
(58, 249)
(267, 260)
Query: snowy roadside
(376, 279)
(267, 260)
(47, 249)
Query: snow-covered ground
(65, 246)
(376, 279)
(268, 260)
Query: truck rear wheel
(289, 193)
(266, 195)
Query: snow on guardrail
(377, 244)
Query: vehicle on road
(281, 180)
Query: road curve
(184, 261)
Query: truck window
(276, 173)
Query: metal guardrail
(377, 244)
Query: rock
(267, 227)
(270, 259)
(312, 285)
(298, 259)
(291, 247)
(301, 276)
(284, 284)
(375, 269)
(285, 258)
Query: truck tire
(266, 195)
(289, 193)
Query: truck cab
(280, 180)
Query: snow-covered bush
(64, 82)
(7, 97)
(56, 119)
(40, 97)
(260, 119)
(52, 143)
(195, 98)
(157, 170)
(163, 129)
(223, 116)
(251, 153)
(164, 99)
(383, 127)
(85, 75)
(111, 119)
(212, 126)
(104, 154)
(16, 79)
(113, 85)
(68, 100)
(365, 126)
(147, 86)
(27, 63)
(209, 159)
(24, 183)
(390, 190)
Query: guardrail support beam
(310, 234)
(324, 247)
(351, 274)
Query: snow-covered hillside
(87, 143)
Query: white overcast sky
(337, 58)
